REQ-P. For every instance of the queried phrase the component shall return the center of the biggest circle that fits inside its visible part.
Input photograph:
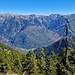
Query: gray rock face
(32, 31)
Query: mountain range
(33, 31)
(57, 47)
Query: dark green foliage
(41, 61)
(69, 67)
(12, 61)
(30, 64)
(51, 68)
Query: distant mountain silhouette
(33, 31)
(57, 46)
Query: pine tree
(51, 68)
(41, 61)
(31, 64)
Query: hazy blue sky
(37, 6)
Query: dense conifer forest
(12, 61)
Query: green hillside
(10, 60)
